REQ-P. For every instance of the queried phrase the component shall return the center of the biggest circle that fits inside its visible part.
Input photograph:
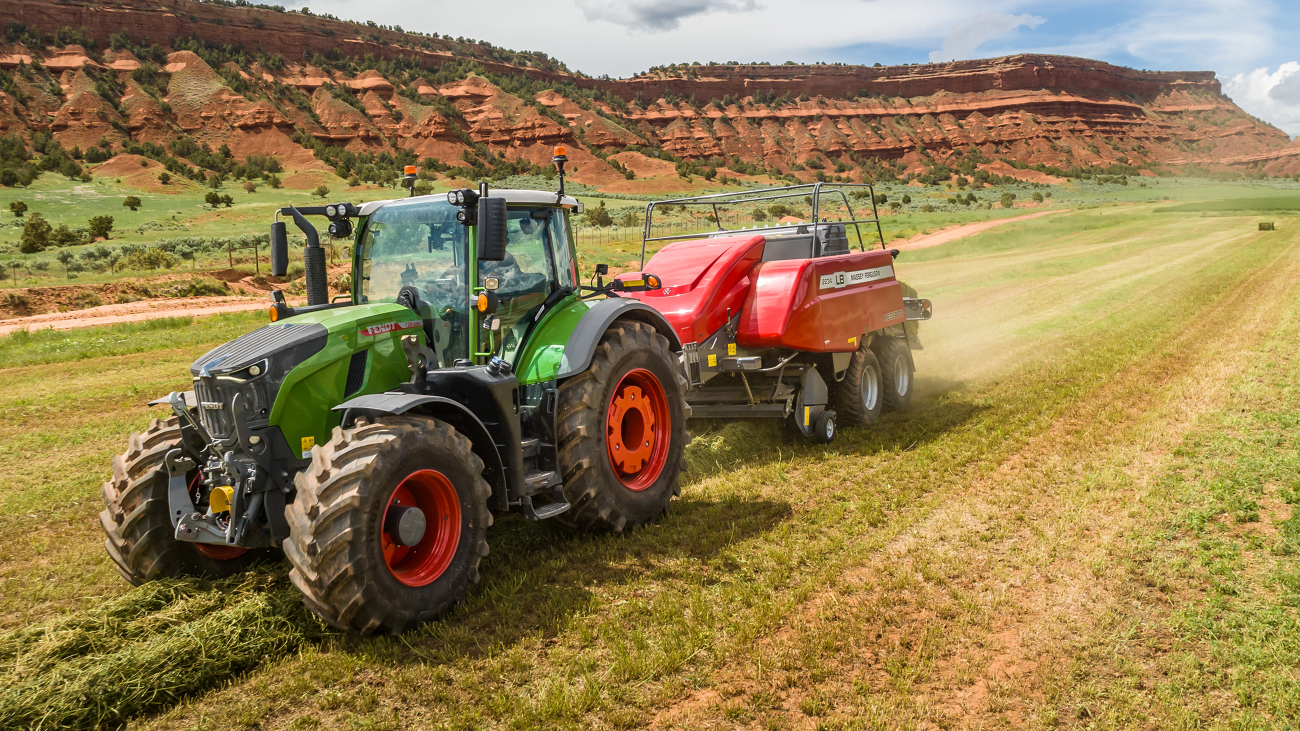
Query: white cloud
(1274, 96)
(967, 36)
(657, 15)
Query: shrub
(599, 216)
(36, 235)
(18, 208)
(100, 227)
(1008, 200)
(146, 259)
(629, 218)
(906, 199)
(759, 215)
(213, 199)
(227, 200)
(1037, 197)
(927, 208)
(250, 186)
(320, 192)
(164, 177)
(132, 202)
(274, 181)
(422, 187)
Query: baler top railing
(813, 191)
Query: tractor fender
(452, 412)
(586, 336)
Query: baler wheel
(389, 524)
(622, 432)
(139, 534)
(896, 370)
(859, 397)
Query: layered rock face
(1030, 109)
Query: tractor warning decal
(862, 276)
(388, 327)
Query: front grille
(218, 422)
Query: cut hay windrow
(147, 650)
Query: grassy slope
(1045, 512)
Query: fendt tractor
(470, 372)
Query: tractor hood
(261, 344)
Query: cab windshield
(419, 244)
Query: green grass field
(1086, 521)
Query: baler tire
(853, 405)
(336, 524)
(601, 501)
(140, 537)
(896, 372)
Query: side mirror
(279, 249)
(491, 229)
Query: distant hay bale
(1266, 226)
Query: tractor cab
(417, 253)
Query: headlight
(453, 197)
(330, 211)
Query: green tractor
(469, 372)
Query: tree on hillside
(321, 191)
(132, 202)
(164, 177)
(1008, 200)
(906, 199)
(36, 235)
(100, 227)
(629, 218)
(64, 236)
(226, 199)
(250, 186)
(18, 208)
(213, 199)
(759, 215)
(422, 187)
(64, 257)
(273, 181)
(1038, 197)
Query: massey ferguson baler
(787, 321)
(469, 372)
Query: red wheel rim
(435, 496)
(638, 429)
(212, 550)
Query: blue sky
(1253, 45)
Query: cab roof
(538, 197)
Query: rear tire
(896, 371)
(622, 432)
(858, 399)
(347, 561)
(136, 518)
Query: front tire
(622, 432)
(140, 537)
(364, 560)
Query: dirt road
(953, 233)
(132, 312)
